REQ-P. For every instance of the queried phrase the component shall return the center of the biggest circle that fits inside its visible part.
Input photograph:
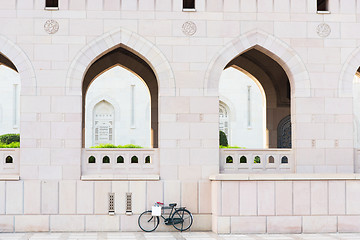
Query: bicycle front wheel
(147, 222)
(182, 219)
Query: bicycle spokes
(182, 219)
(147, 222)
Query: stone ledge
(12, 177)
(281, 177)
(111, 177)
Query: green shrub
(223, 139)
(9, 138)
(10, 145)
(108, 145)
(130, 146)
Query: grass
(10, 145)
(231, 147)
(118, 146)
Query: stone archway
(284, 59)
(90, 62)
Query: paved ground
(171, 236)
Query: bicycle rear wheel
(147, 222)
(182, 219)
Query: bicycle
(180, 218)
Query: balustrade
(120, 161)
(9, 161)
(256, 160)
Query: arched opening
(117, 110)
(135, 72)
(242, 91)
(9, 99)
(268, 76)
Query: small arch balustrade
(9, 164)
(120, 161)
(256, 160)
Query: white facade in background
(242, 109)
(9, 100)
(124, 117)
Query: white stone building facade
(304, 59)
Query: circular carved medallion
(323, 30)
(189, 28)
(51, 26)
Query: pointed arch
(18, 59)
(278, 50)
(131, 41)
(103, 118)
(97, 100)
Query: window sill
(111, 177)
(323, 12)
(189, 10)
(51, 8)
(10, 177)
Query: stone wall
(70, 205)
(295, 204)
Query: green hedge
(9, 138)
(114, 146)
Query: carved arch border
(278, 50)
(23, 65)
(348, 73)
(132, 42)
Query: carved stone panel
(284, 133)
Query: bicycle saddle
(172, 204)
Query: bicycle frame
(167, 220)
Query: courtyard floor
(172, 236)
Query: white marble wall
(188, 69)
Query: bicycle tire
(147, 222)
(182, 219)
